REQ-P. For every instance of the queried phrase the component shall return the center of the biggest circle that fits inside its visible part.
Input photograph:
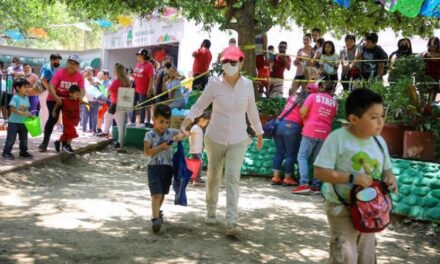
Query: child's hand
(390, 180)
(363, 180)
(29, 115)
(164, 146)
(178, 137)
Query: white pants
(120, 122)
(44, 112)
(229, 157)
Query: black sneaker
(57, 145)
(98, 131)
(157, 224)
(25, 155)
(149, 125)
(116, 145)
(8, 156)
(42, 148)
(102, 135)
(68, 149)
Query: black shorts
(200, 83)
(5, 99)
(300, 77)
(159, 179)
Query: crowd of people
(303, 132)
(363, 60)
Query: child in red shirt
(70, 110)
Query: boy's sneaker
(315, 190)
(211, 220)
(68, 149)
(302, 189)
(157, 224)
(25, 155)
(233, 230)
(116, 145)
(142, 125)
(57, 145)
(8, 156)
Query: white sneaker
(141, 125)
(131, 125)
(211, 220)
(233, 230)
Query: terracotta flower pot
(393, 136)
(419, 145)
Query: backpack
(370, 207)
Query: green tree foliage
(26, 14)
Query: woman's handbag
(270, 127)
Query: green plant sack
(436, 193)
(421, 191)
(402, 209)
(405, 189)
(410, 200)
(434, 214)
(429, 202)
(416, 212)
(435, 184)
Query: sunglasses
(233, 63)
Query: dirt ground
(95, 209)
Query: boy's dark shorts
(159, 179)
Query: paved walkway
(85, 142)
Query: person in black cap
(143, 81)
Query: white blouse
(230, 105)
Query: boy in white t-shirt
(196, 142)
(352, 156)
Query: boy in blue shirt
(157, 147)
(19, 111)
(351, 156)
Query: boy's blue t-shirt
(155, 139)
(20, 103)
(342, 151)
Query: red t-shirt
(62, 81)
(70, 110)
(279, 67)
(113, 90)
(202, 60)
(143, 73)
(294, 115)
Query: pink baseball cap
(312, 88)
(232, 53)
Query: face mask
(14, 65)
(403, 47)
(168, 65)
(56, 65)
(229, 69)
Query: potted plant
(270, 108)
(419, 143)
(396, 122)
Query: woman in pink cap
(232, 97)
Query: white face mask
(229, 69)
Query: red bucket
(194, 165)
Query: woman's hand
(260, 142)
(184, 127)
